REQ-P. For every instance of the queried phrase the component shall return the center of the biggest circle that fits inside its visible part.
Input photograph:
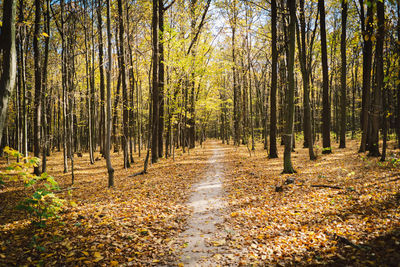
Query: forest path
(200, 240)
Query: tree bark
(398, 86)
(377, 95)
(161, 77)
(38, 84)
(110, 169)
(103, 125)
(155, 86)
(343, 93)
(89, 87)
(8, 77)
(287, 160)
(305, 67)
(273, 151)
(326, 109)
(367, 29)
(44, 90)
(125, 115)
(64, 71)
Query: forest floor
(218, 205)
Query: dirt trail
(199, 247)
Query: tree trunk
(103, 124)
(326, 109)
(38, 83)
(9, 66)
(236, 94)
(377, 104)
(125, 115)
(161, 77)
(64, 71)
(273, 151)
(110, 169)
(89, 87)
(398, 86)
(155, 88)
(367, 30)
(305, 67)
(44, 90)
(343, 93)
(287, 160)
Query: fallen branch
(146, 162)
(137, 174)
(326, 186)
(346, 241)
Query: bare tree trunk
(236, 93)
(108, 124)
(103, 124)
(398, 86)
(273, 151)
(132, 97)
(367, 30)
(38, 83)
(64, 71)
(385, 113)
(377, 104)
(343, 93)
(125, 115)
(305, 65)
(89, 86)
(326, 108)
(9, 66)
(22, 83)
(287, 160)
(44, 90)
(155, 88)
(161, 77)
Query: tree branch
(200, 26)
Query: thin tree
(326, 108)
(398, 86)
(110, 169)
(38, 83)
(64, 70)
(155, 88)
(305, 65)
(103, 125)
(287, 160)
(89, 86)
(367, 30)
(377, 94)
(161, 78)
(273, 151)
(343, 77)
(236, 91)
(44, 89)
(125, 115)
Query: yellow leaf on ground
(97, 254)
(114, 263)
